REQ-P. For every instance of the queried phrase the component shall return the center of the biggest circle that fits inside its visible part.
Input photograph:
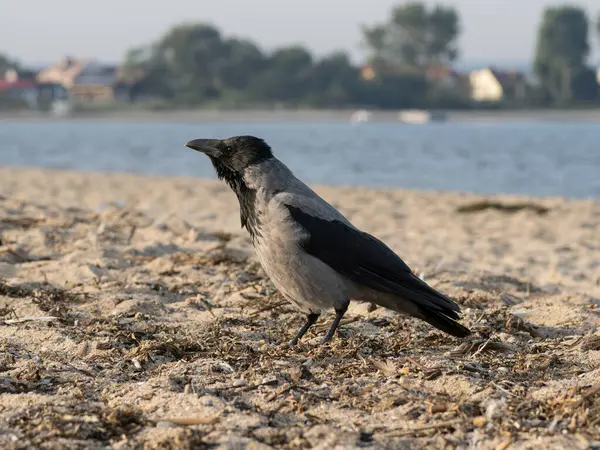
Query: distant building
(367, 72)
(52, 91)
(62, 72)
(86, 80)
(13, 86)
(445, 77)
(19, 88)
(441, 76)
(491, 85)
(11, 79)
(96, 82)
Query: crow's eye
(228, 148)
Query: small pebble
(269, 381)
(503, 370)
(239, 383)
(309, 362)
(480, 421)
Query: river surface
(537, 158)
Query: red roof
(19, 84)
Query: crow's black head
(230, 157)
(233, 154)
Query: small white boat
(362, 115)
(419, 116)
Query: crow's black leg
(339, 313)
(310, 321)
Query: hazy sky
(44, 30)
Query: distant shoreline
(305, 115)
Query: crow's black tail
(432, 306)
(443, 322)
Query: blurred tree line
(561, 57)
(194, 64)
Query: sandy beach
(133, 314)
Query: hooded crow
(315, 257)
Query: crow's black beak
(206, 146)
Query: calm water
(524, 158)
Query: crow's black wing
(366, 260)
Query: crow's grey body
(315, 257)
(301, 278)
